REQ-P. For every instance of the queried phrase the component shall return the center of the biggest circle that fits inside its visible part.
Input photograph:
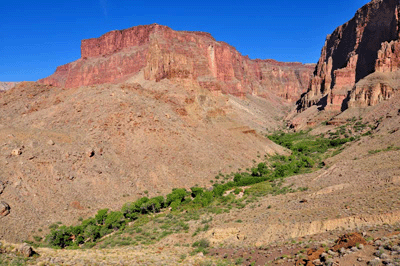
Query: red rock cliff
(161, 52)
(369, 42)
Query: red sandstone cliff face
(369, 42)
(374, 89)
(161, 52)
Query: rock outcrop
(4, 208)
(374, 89)
(162, 53)
(25, 250)
(368, 43)
(7, 85)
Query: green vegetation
(12, 261)
(389, 148)
(201, 246)
(147, 220)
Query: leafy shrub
(202, 243)
(237, 177)
(177, 195)
(53, 226)
(338, 142)
(101, 216)
(114, 220)
(92, 232)
(174, 205)
(60, 237)
(204, 199)
(153, 205)
(131, 210)
(37, 238)
(237, 191)
(196, 191)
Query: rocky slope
(66, 153)
(366, 44)
(356, 191)
(7, 85)
(195, 57)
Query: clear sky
(37, 36)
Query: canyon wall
(368, 43)
(161, 53)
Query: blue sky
(37, 36)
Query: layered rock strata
(368, 43)
(162, 53)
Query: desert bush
(237, 191)
(204, 199)
(196, 191)
(92, 232)
(60, 237)
(176, 196)
(153, 205)
(114, 220)
(131, 210)
(202, 243)
(101, 216)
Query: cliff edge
(162, 53)
(366, 44)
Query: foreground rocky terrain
(149, 109)
(381, 247)
(356, 191)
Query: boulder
(90, 152)
(4, 208)
(26, 250)
(16, 152)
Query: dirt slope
(65, 153)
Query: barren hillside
(68, 152)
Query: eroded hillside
(68, 152)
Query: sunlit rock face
(162, 53)
(368, 43)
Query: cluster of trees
(92, 229)
(302, 143)
(305, 152)
(106, 221)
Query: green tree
(101, 216)
(114, 220)
(61, 237)
(177, 195)
(196, 191)
(92, 232)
